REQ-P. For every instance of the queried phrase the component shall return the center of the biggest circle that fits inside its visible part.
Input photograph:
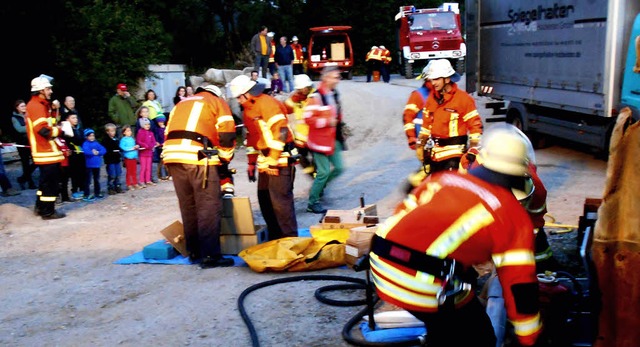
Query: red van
(330, 45)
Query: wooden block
(233, 244)
(174, 233)
(361, 234)
(237, 217)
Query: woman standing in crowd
(18, 120)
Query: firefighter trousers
(275, 196)
(200, 208)
(48, 189)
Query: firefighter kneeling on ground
(421, 258)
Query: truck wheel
(408, 69)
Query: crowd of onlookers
(130, 151)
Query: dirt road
(60, 287)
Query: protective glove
(420, 152)
(251, 172)
(412, 142)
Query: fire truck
(426, 34)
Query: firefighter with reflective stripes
(272, 54)
(385, 56)
(295, 104)
(42, 132)
(199, 137)
(298, 56)
(373, 60)
(451, 122)
(270, 149)
(412, 122)
(421, 258)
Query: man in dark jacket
(284, 59)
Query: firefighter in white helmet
(42, 132)
(421, 258)
(298, 57)
(295, 105)
(271, 150)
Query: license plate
(331, 64)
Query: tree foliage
(91, 45)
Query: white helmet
(504, 150)
(382, 47)
(295, 38)
(271, 34)
(425, 71)
(301, 81)
(442, 68)
(374, 47)
(210, 88)
(240, 85)
(39, 83)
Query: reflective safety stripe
(467, 225)
(47, 198)
(544, 255)
(268, 136)
(412, 107)
(470, 115)
(409, 126)
(194, 116)
(440, 153)
(527, 327)
(251, 150)
(389, 223)
(453, 124)
(513, 258)
(475, 137)
(226, 154)
(276, 118)
(223, 119)
(417, 121)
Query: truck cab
(426, 34)
(330, 46)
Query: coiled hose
(355, 283)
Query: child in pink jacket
(147, 142)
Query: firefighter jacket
(295, 105)
(318, 114)
(269, 137)
(272, 52)
(195, 120)
(412, 115)
(374, 54)
(385, 56)
(42, 132)
(451, 121)
(298, 57)
(460, 217)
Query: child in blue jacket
(93, 152)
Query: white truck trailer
(563, 68)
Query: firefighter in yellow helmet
(199, 137)
(42, 132)
(421, 258)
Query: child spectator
(93, 152)
(130, 153)
(142, 113)
(146, 142)
(64, 169)
(157, 154)
(77, 167)
(276, 84)
(112, 159)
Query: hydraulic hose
(356, 283)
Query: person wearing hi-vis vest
(200, 136)
(42, 131)
(422, 257)
(271, 150)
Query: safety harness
(455, 278)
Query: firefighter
(295, 104)
(412, 121)
(42, 132)
(200, 137)
(385, 65)
(298, 56)
(373, 60)
(272, 54)
(270, 149)
(451, 122)
(421, 258)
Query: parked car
(330, 46)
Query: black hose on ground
(357, 283)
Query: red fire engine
(426, 34)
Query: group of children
(144, 147)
